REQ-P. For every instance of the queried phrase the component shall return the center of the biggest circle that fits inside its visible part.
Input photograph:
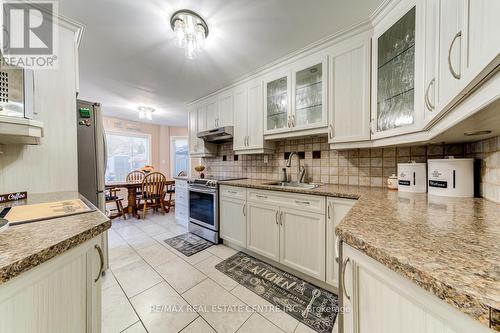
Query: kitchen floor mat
(309, 304)
(188, 244)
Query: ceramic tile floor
(150, 287)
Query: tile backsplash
(367, 167)
(488, 152)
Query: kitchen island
(447, 246)
(51, 270)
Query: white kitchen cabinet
(181, 202)
(288, 228)
(382, 301)
(263, 230)
(226, 109)
(337, 209)
(309, 93)
(349, 89)
(295, 98)
(210, 116)
(430, 25)
(241, 118)
(451, 52)
(196, 120)
(277, 100)
(397, 71)
(248, 120)
(60, 295)
(483, 26)
(302, 241)
(233, 206)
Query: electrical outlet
(266, 159)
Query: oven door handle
(191, 189)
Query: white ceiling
(128, 57)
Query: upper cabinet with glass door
(309, 88)
(396, 74)
(295, 99)
(277, 104)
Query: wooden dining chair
(135, 176)
(111, 195)
(153, 192)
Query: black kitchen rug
(311, 305)
(188, 244)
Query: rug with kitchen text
(309, 304)
(188, 244)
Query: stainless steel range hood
(217, 135)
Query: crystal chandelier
(191, 30)
(146, 112)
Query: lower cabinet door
(302, 240)
(263, 230)
(60, 295)
(336, 210)
(233, 221)
(379, 300)
(95, 266)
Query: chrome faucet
(301, 173)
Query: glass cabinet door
(277, 104)
(396, 74)
(308, 96)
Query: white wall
(52, 165)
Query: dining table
(132, 188)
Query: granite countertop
(25, 246)
(447, 246)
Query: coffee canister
(451, 177)
(412, 177)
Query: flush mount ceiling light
(146, 112)
(191, 30)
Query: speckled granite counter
(448, 246)
(25, 246)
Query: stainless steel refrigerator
(92, 157)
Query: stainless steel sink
(294, 184)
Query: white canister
(412, 177)
(452, 177)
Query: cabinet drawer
(181, 184)
(311, 203)
(181, 197)
(181, 212)
(233, 192)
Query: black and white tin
(451, 177)
(412, 177)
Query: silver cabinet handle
(281, 218)
(371, 126)
(245, 210)
(450, 65)
(337, 251)
(330, 132)
(288, 121)
(248, 140)
(293, 120)
(428, 103)
(261, 196)
(232, 192)
(328, 210)
(302, 202)
(276, 217)
(346, 261)
(101, 258)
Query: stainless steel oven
(204, 210)
(204, 207)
